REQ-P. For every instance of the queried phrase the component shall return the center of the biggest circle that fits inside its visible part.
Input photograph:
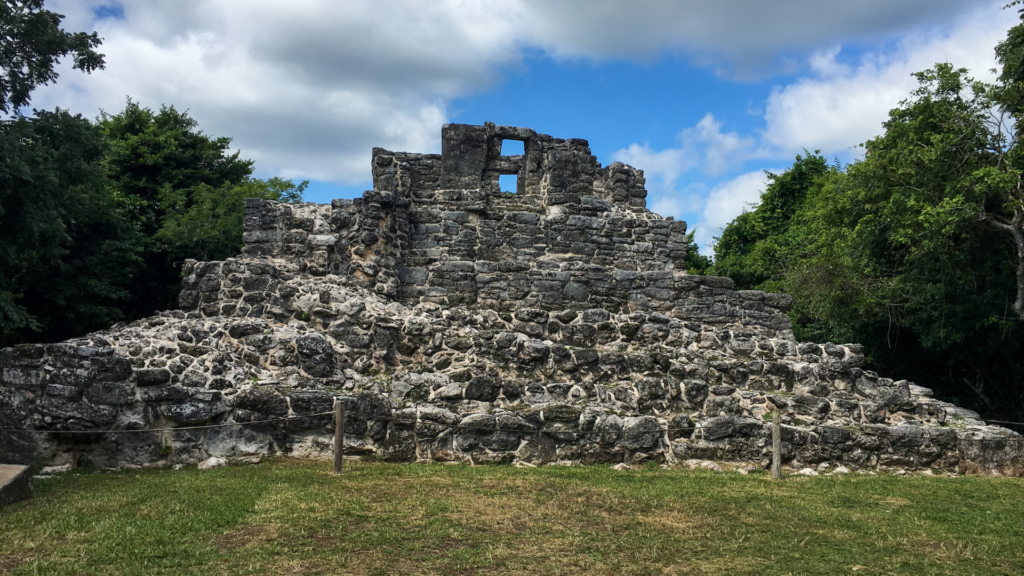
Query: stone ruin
(460, 323)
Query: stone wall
(575, 232)
(460, 323)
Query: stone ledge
(15, 484)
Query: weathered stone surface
(194, 412)
(152, 376)
(261, 399)
(316, 355)
(641, 432)
(110, 393)
(458, 323)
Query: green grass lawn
(294, 517)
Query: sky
(703, 96)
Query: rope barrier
(367, 416)
(1005, 422)
(140, 430)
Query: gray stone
(718, 427)
(538, 449)
(681, 426)
(15, 483)
(263, 400)
(809, 406)
(113, 393)
(188, 413)
(583, 356)
(478, 422)
(316, 355)
(695, 392)
(483, 388)
(450, 391)
(428, 412)
(152, 376)
(63, 409)
(640, 433)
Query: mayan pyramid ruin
(457, 322)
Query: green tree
(185, 190)
(93, 218)
(67, 246)
(926, 214)
(1000, 183)
(696, 263)
(205, 223)
(31, 45)
(753, 248)
(899, 252)
(59, 229)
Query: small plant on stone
(166, 451)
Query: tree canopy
(31, 45)
(96, 218)
(184, 190)
(917, 250)
(67, 246)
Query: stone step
(15, 483)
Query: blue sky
(704, 96)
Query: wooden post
(776, 445)
(339, 434)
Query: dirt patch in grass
(950, 552)
(28, 550)
(242, 537)
(546, 509)
(300, 566)
(8, 562)
(677, 521)
(447, 545)
(325, 539)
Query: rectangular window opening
(508, 183)
(512, 148)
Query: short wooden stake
(776, 445)
(339, 434)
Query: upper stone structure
(436, 228)
(462, 323)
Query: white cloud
(306, 88)
(836, 106)
(661, 169)
(725, 202)
(737, 37)
(729, 199)
(840, 105)
(676, 203)
(703, 146)
(720, 151)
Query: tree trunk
(1018, 238)
(1016, 229)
